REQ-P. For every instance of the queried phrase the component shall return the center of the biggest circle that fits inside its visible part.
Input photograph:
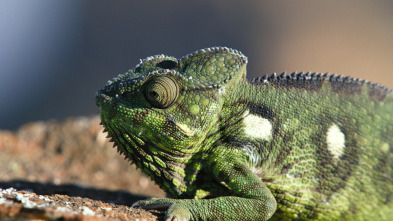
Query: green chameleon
(303, 146)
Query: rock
(25, 205)
(68, 170)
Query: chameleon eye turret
(161, 91)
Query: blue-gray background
(54, 55)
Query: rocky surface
(69, 171)
(25, 205)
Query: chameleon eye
(161, 92)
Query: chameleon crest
(292, 146)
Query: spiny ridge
(312, 78)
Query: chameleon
(299, 146)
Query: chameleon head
(165, 106)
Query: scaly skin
(299, 146)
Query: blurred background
(54, 55)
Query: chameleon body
(304, 146)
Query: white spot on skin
(335, 140)
(221, 90)
(252, 153)
(254, 159)
(186, 129)
(385, 147)
(257, 127)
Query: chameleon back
(322, 143)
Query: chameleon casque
(281, 147)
